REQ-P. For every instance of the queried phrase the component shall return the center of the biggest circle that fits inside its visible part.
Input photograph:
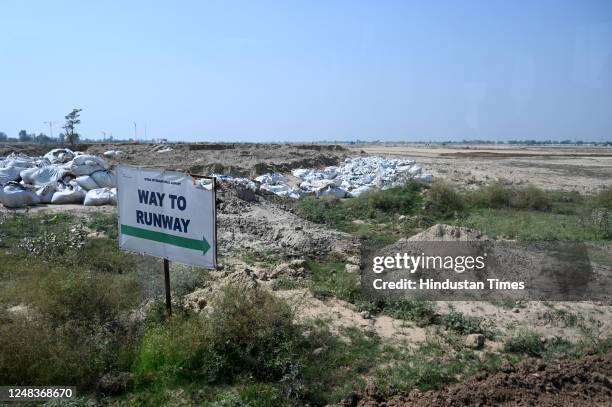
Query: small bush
(332, 280)
(398, 200)
(443, 200)
(461, 323)
(603, 199)
(531, 198)
(421, 312)
(86, 297)
(527, 342)
(498, 196)
(320, 210)
(104, 222)
(248, 334)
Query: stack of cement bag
(61, 176)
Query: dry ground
(584, 169)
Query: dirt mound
(245, 160)
(448, 233)
(584, 382)
(266, 225)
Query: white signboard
(167, 214)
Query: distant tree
(72, 119)
(3, 136)
(61, 138)
(24, 137)
(43, 139)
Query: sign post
(167, 284)
(167, 214)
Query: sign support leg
(167, 284)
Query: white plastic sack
(87, 182)
(165, 150)
(272, 178)
(59, 155)
(332, 191)
(71, 194)
(15, 195)
(86, 165)
(104, 179)
(9, 174)
(113, 153)
(45, 194)
(100, 196)
(301, 172)
(360, 190)
(424, 177)
(43, 175)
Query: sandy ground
(584, 169)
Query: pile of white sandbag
(359, 174)
(354, 177)
(61, 176)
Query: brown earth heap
(533, 382)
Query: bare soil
(584, 382)
(584, 169)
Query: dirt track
(584, 382)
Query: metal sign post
(167, 284)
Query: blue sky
(310, 70)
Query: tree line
(69, 135)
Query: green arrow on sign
(179, 241)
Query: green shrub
(332, 280)
(86, 297)
(103, 255)
(443, 200)
(398, 200)
(247, 334)
(497, 195)
(531, 198)
(465, 324)
(421, 312)
(604, 198)
(104, 222)
(320, 210)
(36, 353)
(527, 342)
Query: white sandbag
(86, 165)
(332, 191)
(113, 196)
(71, 194)
(9, 174)
(165, 150)
(301, 172)
(360, 190)
(415, 170)
(113, 153)
(14, 160)
(59, 155)
(105, 179)
(272, 178)
(15, 195)
(45, 194)
(87, 182)
(424, 177)
(100, 196)
(43, 175)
